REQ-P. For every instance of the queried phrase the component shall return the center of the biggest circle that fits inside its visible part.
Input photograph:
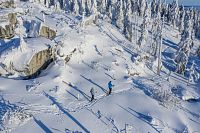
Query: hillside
(57, 99)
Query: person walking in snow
(110, 85)
(92, 94)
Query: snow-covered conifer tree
(83, 6)
(193, 74)
(94, 7)
(120, 16)
(198, 52)
(127, 23)
(88, 7)
(187, 32)
(153, 8)
(76, 8)
(142, 7)
(181, 19)
(173, 13)
(156, 33)
(144, 31)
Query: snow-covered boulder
(39, 29)
(27, 62)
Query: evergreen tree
(144, 31)
(173, 13)
(94, 7)
(76, 8)
(193, 74)
(153, 8)
(120, 16)
(127, 23)
(181, 19)
(142, 7)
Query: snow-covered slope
(58, 100)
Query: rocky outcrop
(7, 4)
(12, 18)
(39, 62)
(7, 32)
(47, 32)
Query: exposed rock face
(12, 18)
(38, 62)
(47, 32)
(7, 4)
(7, 32)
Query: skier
(92, 94)
(110, 85)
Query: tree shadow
(72, 94)
(105, 91)
(142, 87)
(81, 92)
(170, 44)
(42, 125)
(65, 112)
(142, 117)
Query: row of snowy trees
(121, 12)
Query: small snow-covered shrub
(11, 115)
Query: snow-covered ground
(59, 99)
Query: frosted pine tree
(158, 7)
(144, 31)
(173, 13)
(103, 5)
(142, 7)
(153, 8)
(198, 52)
(187, 32)
(94, 7)
(76, 8)
(193, 74)
(127, 23)
(120, 18)
(88, 7)
(156, 33)
(181, 19)
(82, 6)
(182, 55)
(68, 5)
(57, 6)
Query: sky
(186, 2)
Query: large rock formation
(39, 62)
